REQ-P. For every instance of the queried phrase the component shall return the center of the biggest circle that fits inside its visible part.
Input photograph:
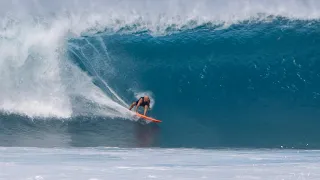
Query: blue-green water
(251, 84)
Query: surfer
(142, 101)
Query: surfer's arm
(145, 109)
(139, 102)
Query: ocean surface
(235, 83)
(121, 163)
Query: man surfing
(142, 101)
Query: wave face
(219, 73)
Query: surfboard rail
(148, 118)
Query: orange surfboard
(148, 118)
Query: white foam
(38, 80)
(157, 16)
(160, 163)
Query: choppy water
(117, 163)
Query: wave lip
(156, 17)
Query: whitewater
(235, 83)
(114, 163)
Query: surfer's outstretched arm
(139, 102)
(145, 109)
(132, 105)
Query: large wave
(217, 70)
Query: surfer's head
(146, 98)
